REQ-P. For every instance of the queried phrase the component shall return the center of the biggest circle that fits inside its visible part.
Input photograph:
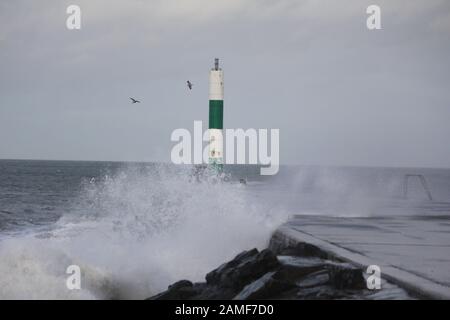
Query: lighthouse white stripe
(215, 144)
(216, 85)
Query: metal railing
(422, 180)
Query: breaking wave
(134, 233)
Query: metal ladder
(423, 181)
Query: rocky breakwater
(298, 272)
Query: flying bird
(189, 84)
(134, 100)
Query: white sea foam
(138, 230)
(133, 234)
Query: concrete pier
(412, 251)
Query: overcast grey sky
(339, 93)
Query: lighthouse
(216, 116)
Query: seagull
(134, 100)
(189, 84)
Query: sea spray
(135, 228)
(134, 232)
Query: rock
(291, 273)
(320, 293)
(301, 262)
(183, 289)
(315, 279)
(227, 280)
(346, 276)
(304, 274)
(243, 269)
(263, 288)
(207, 292)
(180, 284)
(303, 250)
(284, 278)
(213, 277)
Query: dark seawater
(37, 193)
(134, 228)
(31, 191)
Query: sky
(340, 94)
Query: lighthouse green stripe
(215, 114)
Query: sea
(135, 228)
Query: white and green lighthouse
(216, 116)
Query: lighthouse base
(216, 165)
